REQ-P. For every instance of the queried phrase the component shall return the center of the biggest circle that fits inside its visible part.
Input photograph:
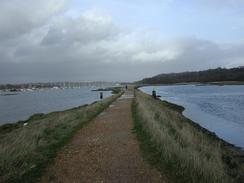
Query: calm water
(217, 108)
(24, 104)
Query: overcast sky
(117, 40)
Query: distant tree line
(211, 75)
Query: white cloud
(162, 56)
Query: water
(219, 109)
(21, 105)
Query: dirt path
(105, 150)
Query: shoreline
(37, 115)
(112, 90)
(26, 148)
(207, 131)
(195, 121)
(192, 139)
(181, 109)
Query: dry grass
(26, 150)
(189, 153)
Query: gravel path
(105, 150)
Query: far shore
(220, 83)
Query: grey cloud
(20, 17)
(199, 55)
(92, 47)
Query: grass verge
(25, 151)
(179, 147)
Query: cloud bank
(40, 42)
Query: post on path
(101, 95)
(126, 87)
(154, 95)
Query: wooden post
(101, 95)
(154, 94)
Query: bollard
(101, 95)
(154, 94)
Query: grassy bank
(180, 147)
(25, 150)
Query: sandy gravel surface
(105, 150)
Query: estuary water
(219, 109)
(15, 106)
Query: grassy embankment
(180, 147)
(25, 151)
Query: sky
(122, 40)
